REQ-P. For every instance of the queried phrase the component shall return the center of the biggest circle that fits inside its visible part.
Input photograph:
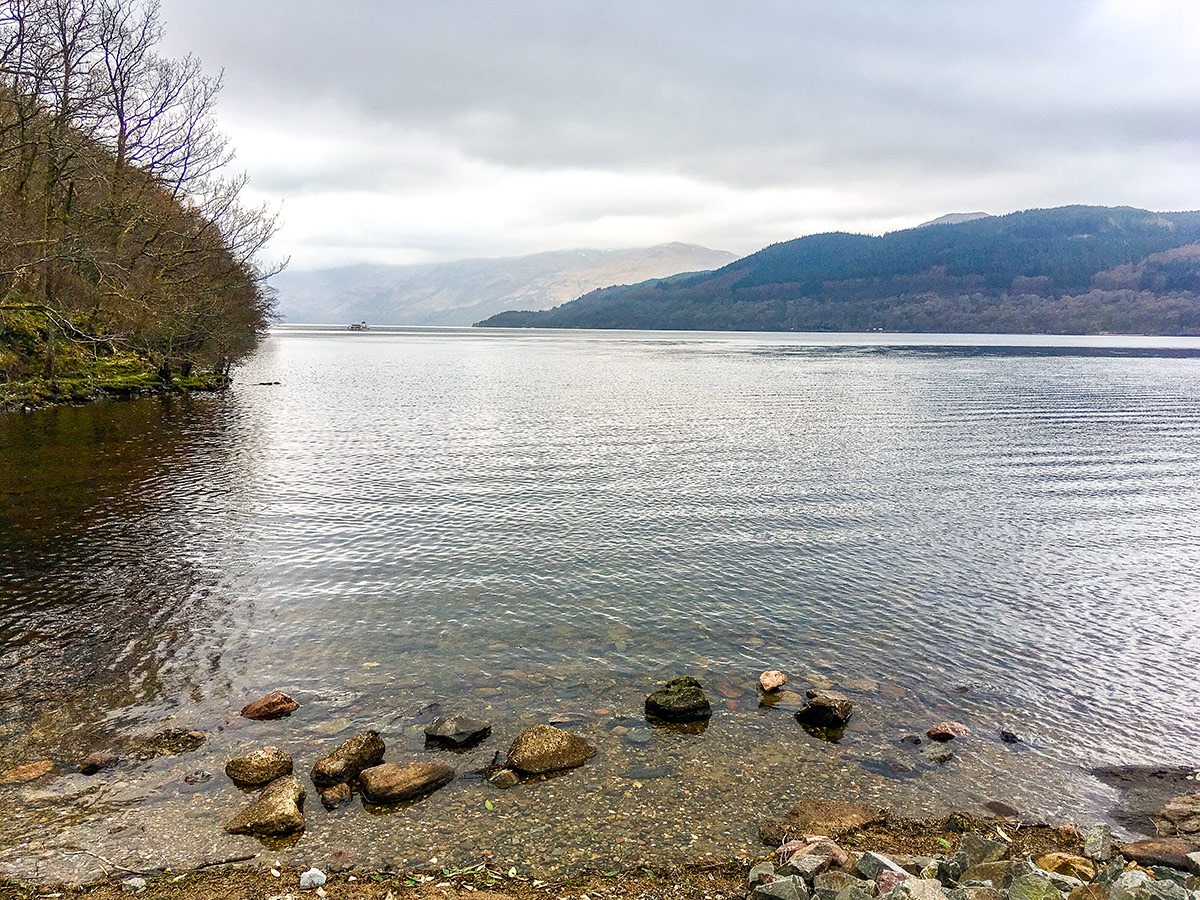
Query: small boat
(359, 326)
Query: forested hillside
(1076, 269)
(126, 257)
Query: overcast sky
(436, 130)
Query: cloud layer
(412, 131)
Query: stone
(544, 748)
(1166, 851)
(312, 879)
(1067, 864)
(1128, 885)
(761, 873)
(1009, 737)
(133, 885)
(911, 740)
(274, 705)
(825, 709)
(951, 868)
(1094, 891)
(789, 888)
(980, 849)
(1179, 816)
(101, 759)
(813, 815)
(504, 778)
(812, 845)
(1193, 863)
(1166, 873)
(28, 772)
(259, 766)
(336, 795)
(393, 783)
(828, 884)
(871, 865)
(947, 731)
(344, 764)
(781, 699)
(996, 872)
(807, 865)
(864, 891)
(168, 742)
(771, 680)
(1098, 844)
(976, 892)
(278, 810)
(1033, 887)
(886, 882)
(679, 700)
(456, 731)
(920, 889)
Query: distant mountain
(459, 293)
(955, 219)
(1074, 269)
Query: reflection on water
(529, 526)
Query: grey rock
(278, 810)
(1034, 887)
(1161, 889)
(544, 748)
(952, 867)
(919, 889)
(829, 884)
(1180, 815)
(979, 849)
(133, 885)
(872, 864)
(1193, 862)
(1110, 873)
(1097, 844)
(855, 892)
(806, 865)
(825, 709)
(260, 766)
(763, 871)
(1128, 885)
(312, 879)
(1166, 873)
(679, 700)
(789, 888)
(504, 778)
(456, 731)
(975, 892)
(344, 764)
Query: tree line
(121, 224)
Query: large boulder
(275, 705)
(278, 810)
(1166, 851)
(825, 709)
(259, 766)
(456, 731)
(679, 700)
(544, 748)
(392, 783)
(344, 764)
(815, 816)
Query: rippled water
(533, 525)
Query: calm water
(543, 525)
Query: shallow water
(531, 525)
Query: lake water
(543, 525)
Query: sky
(402, 132)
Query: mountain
(1074, 269)
(459, 293)
(955, 219)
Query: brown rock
(335, 796)
(101, 759)
(1167, 851)
(27, 772)
(947, 731)
(814, 816)
(825, 709)
(544, 748)
(392, 783)
(811, 845)
(275, 705)
(260, 766)
(1180, 815)
(1067, 864)
(1094, 891)
(344, 764)
(278, 810)
(771, 680)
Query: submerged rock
(278, 810)
(814, 816)
(344, 764)
(504, 779)
(259, 767)
(679, 700)
(101, 759)
(392, 783)
(168, 742)
(771, 680)
(456, 731)
(1179, 816)
(334, 796)
(544, 748)
(274, 705)
(28, 772)
(947, 731)
(825, 709)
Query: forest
(1070, 270)
(128, 259)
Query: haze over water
(528, 526)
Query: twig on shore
(225, 862)
(108, 863)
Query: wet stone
(544, 748)
(278, 810)
(392, 783)
(259, 766)
(274, 705)
(168, 742)
(825, 709)
(947, 731)
(771, 680)
(344, 764)
(814, 815)
(504, 779)
(335, 796)
(1168, 851)
(456, 731)
(101, 759)
(679, 700)
(28, 772)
